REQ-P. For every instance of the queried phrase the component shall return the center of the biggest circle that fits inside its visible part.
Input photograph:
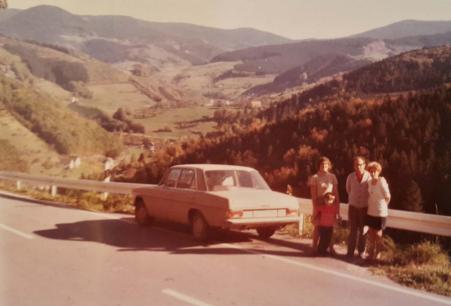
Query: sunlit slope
(92, 82)
(54, 123)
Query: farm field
(169, 119)
(109, 97)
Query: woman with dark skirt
(378, 199)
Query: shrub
(79, 89)
(423, 266)
(425, 253)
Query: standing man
(357, 189)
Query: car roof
(207, 167)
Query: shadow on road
(126, 235)
(123, 234)
(176, 239)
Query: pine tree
(411, 198)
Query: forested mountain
(409, 135)
(279, 58)
(128, 37)
(305, 62)
(407, 28)
(312, 71)
(419, 69)
(407, 129)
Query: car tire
(141, 215)
(199, 227)
(266, 232)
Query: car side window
(172, 177)
(220, 179)
(229, 180)
(245, 179)
(187, 179)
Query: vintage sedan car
(207, 196)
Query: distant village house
(256, 104)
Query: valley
(178, 85)
(103, 92)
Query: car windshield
(221, 179)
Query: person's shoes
(366, 228)
(332, 251)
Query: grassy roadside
(424, 265)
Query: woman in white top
(379, 197)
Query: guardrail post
(104, 196)
(53, 190)
(301, 224)
(18, 185)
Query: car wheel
(265, 232)
(199, 227)
(141, 215)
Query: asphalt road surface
(53, 255)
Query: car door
(183, 196)
(163, 197)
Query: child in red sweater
(326, 216)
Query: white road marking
(184, 297)
(344, 275)
(14, 231)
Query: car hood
(245, 198)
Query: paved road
(52, 255)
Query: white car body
(216, 196)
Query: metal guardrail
(88, 185)
(412, 221)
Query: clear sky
(297, 19)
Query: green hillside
(10, 158)
(31, 150)
(63, 129)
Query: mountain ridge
(185, 38)
(406, 28)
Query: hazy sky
(297, 19)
